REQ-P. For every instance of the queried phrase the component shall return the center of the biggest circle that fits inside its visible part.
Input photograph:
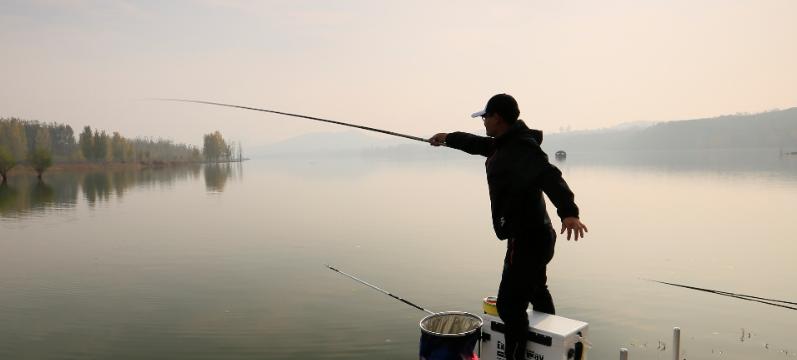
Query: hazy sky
(410, 66)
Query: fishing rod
(378, 289)
(772, 302)
(416, 138)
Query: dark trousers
(524, 281)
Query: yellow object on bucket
(489, 305)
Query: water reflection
(8, 198)
(118, 282)
(771, 163)
(767, 162)
(24, 195)
(216, 176)
(97, 187)
(42, 195)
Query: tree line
(40, 144)
(98, 146)
(216, 149)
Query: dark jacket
(518, 172)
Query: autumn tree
(62, 139)
(42, 139)
(102, 146)
(86, 143)
(41, 159)
(13, 137)
(118, 147)
(22, 137)
(214, 147)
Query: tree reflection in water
(41, 195)
(8, 199)
(97, 187)
(25, 196)
(216, 176)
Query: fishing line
(298, 116)
(773, 302)
(378, 289)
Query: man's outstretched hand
(573, 226)
(438, 139)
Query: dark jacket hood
(519, 129)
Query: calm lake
(228, 261)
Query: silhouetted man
(518, 172)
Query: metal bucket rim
(481, 322)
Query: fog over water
(227, 261)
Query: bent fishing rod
(416, 138)
(378, 289)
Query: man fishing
(518, 172)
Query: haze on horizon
(413, 66)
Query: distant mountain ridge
(773, 129)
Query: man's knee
(542, 301)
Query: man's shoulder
(521, 130)
(525, 141)
(524, 148)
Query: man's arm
(552, 183)
(548, 178)
(469, 143)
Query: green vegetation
(215, 148)
(97, 146)
(40, 145)
(41, 159)
(22, 197)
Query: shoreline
(27, 170)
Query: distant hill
(770, 130)
(773, 129)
